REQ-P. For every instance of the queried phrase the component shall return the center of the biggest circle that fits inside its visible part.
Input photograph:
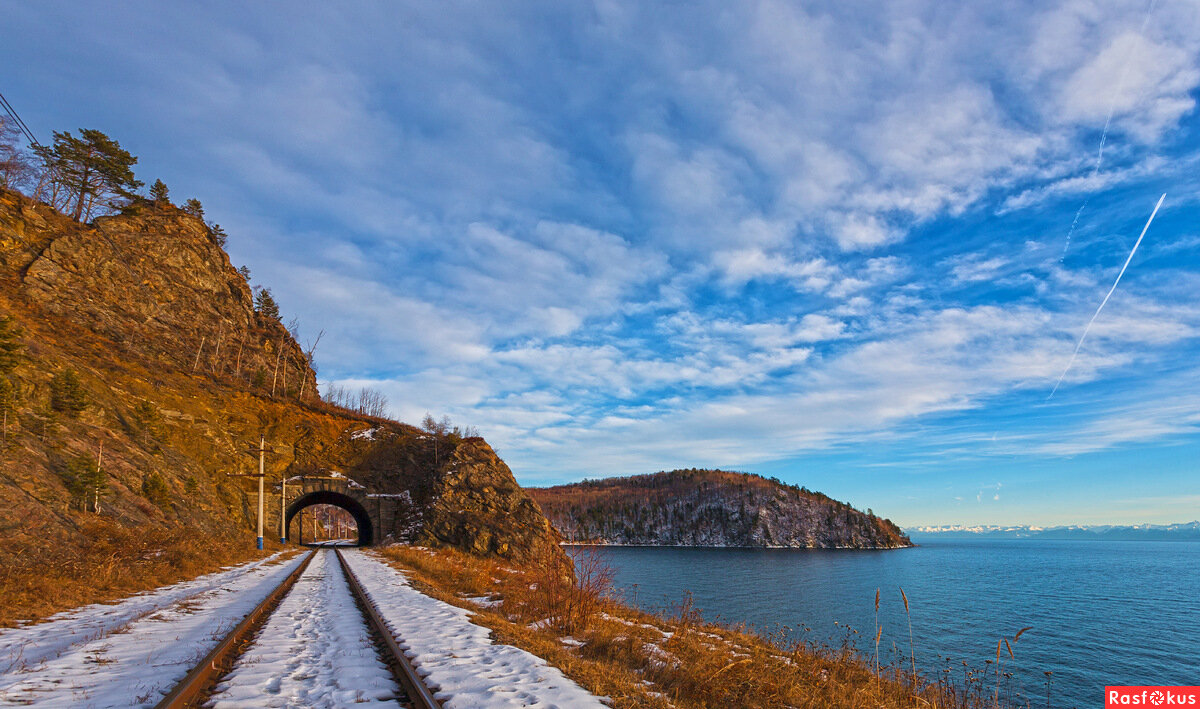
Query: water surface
(1102, 612)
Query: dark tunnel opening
(366, 531)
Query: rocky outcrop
(157, 285)
(478, 506)
(711, 508)
(455, 492)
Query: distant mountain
(710, 508)
(1189, 531)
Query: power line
(20, 123)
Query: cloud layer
(620, 236)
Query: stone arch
(366, 531)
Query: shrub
(569, 600)
(145, 414)
(155, 489)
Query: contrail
(1106, 297)
(1112, 104)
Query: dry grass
(104, 562)
(644, 660)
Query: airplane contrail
(1112, 104)
(1106, 297)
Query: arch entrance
(362, 519)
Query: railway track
(220, 674)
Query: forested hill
(710, 508)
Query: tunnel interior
(366, 532)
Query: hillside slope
(710, 508)
(175, 374)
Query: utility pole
(282, 513)
(262, 451)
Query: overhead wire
(19, 123)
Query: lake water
(1115, 613)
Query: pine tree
(265, 305)
(66, 393)
(218, 234)
(85, 481)
(159, 192)
(92, 170)
(194, 208)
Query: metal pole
(262, 449)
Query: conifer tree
(265, 305)
(66, 393)
(159, 192)
(91, 170)
(155, 489)
(218, 234)
(194, 208)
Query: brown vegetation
(105, 562)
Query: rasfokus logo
(1151, 697)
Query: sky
(849, 245)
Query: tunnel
(366, 532)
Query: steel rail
(418, 692)
(202, 676)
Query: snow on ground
(314, 651)
(31, 644)
(137, 663)
(484, 601)
(457, 658)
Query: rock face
(155, 283)
(710, 508)
(478, 506)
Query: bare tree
(366, 401)
(16, 169)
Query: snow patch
(457, 658)
(30, 645)
(139, 662)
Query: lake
(1115, 613)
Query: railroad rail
(194, 689)
(205, 674)
(418, 693)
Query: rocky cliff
(174, 376)
(155, 284)
(710, 508)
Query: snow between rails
(457, 658)
(314, 652)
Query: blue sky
(821, 241)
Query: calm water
(1102, 612)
